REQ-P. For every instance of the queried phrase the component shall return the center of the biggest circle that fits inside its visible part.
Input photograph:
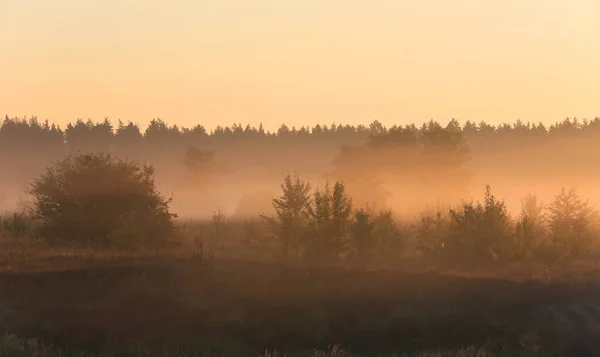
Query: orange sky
(300, 62)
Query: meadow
(95, 263)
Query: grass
(86, 301)
(11, 345)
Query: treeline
(527, 145)
(323, 226)
(103, 136)
(313, 146)
(436, 161)
(97, 200)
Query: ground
(88, 301)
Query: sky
(303, 62)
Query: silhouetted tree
(99, 200)
(89, 136)
(291, 212)
(199, 163)
(570, 220)
(479, 231)
(329, 219)
(432, 230)
(363, 240)
(389, 240)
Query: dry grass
(28, 255)
(84, 295)
(13, 346)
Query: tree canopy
(99, 200)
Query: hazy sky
(300, 62)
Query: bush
(16, 225)
(98, 200)
(431, 232)
(480, 232)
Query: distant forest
(568, 150)
(89, 135)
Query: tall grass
(13, 346)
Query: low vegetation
(11, 345)
(98, 259)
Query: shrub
(480, 231)
(16, 225)
(102, 201)
(431, 232)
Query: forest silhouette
(233, 166)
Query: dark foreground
(245, 308)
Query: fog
(246, 172)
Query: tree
(329, 218)
(480, 231)
(341, 209)
(99, 200)
(431, 159)
(529, 227)
(432, 231)
(525, 236)
(532, 209)
(199, 163)
(219, 225)
(89, 136)
(362, 235)
(570, 218)
(290, 209)
(389, 239)
(128, 138)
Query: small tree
(99, 200)
(532, 209)
(570, 218)
(341, 210)
(479, 231)
(257, 237)
(528, 228)
(432, 232)
(290, 210)
(329, 217)
(199, 163)
(362, 235)
(525, 237)
(219, 224)
(388, 238)
(320, 239)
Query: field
(93, 301)
(95, 262)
